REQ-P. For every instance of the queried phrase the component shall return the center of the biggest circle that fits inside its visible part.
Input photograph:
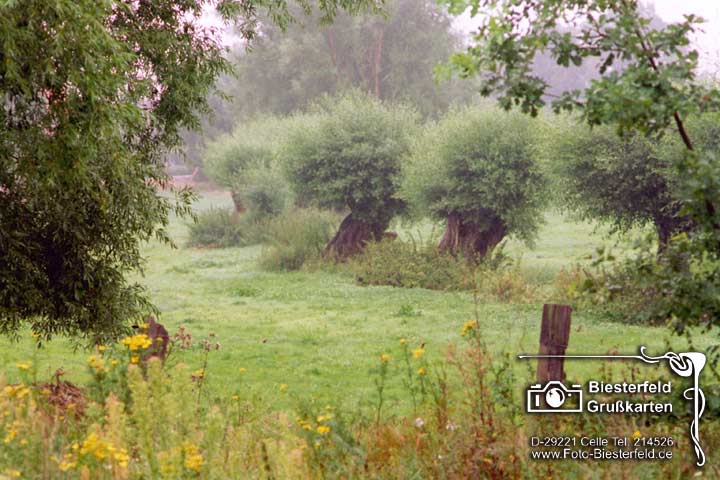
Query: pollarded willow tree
(475, 170)
(623, 181)
(346, 155)
(92, 95)
(246, 162)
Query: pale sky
(707, 42)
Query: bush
(296, 237)
(422, 265)
(221, 228)
(614, 288)
(410, 265)
(246, 163)
(265, 194)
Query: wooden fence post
(554, 336)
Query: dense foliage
(646, 83)
(346, 155)
(245, 162)
(623, 181)
(475, 169)
(296, 237)
(93, 95)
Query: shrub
(265, 194)
(296, 237)
(420, 264)
(614, 288)
(245, 162)
(221, 228)
(346, 156)
(410, 265)
(475, 170)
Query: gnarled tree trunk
(667, 226)
(468, 239)
(352, 236)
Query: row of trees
(373, 160)
(482, 172)
(646, 83)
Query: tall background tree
(390, 56)
(93, 95)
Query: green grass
(321, 334)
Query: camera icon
(554, 397)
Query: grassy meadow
(316, 333)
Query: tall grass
(142, 418)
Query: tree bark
(666, 227)
(468, 239)
(351, 237)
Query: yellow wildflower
(96, 363)
(283, 387)
(322, 418)
(24, 365)
(67, 463)
(93, 445)
(384, 358)
(134, 359)
(101, 348)
(18, 391)
(403, 341)
(421, 371)
(10, 436)
(136, 342)
(468, 327)
(114, 362)
(193, 458)
(242, 370)
(636, 434)
(122, 458)
(236, 398)
(418, 352)
(199, 373)
(12, 473)
(323, 429)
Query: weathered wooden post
(554, 336)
